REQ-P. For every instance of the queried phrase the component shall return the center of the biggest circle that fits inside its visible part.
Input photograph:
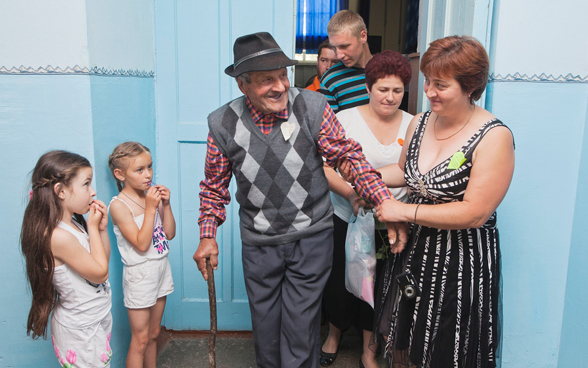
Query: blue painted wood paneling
(194, 42)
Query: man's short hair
(346, 19)
(324, 44)
(245, 77)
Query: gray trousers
(284, 284)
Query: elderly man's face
(325, 60)
(268, 90)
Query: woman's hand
(389, 211)
(152, 198)
(356, 201)
(344, 167)
(397, 236)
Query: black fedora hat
(256, 52)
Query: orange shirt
(316, 85)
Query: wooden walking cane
(212, 302)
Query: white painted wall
(540, 36)
(120, 34)
(106, 34)
(38, 33)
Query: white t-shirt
(377, 154)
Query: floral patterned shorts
(83, 348)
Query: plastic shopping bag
(360, 256)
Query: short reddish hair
(387, 63)
(460, 57)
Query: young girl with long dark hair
(67, 261)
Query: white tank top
(376, 154)
(159, 244)
(80, 303)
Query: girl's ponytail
(42, 214)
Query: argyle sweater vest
(281, 186)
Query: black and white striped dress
(455, 321)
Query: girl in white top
(380, 128)
(67, 261)
(143, 223)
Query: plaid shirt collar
(258, 115)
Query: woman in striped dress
(439, 305)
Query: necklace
(133, 201)
(459, 130)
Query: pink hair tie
(31, 194)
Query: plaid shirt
(332, 145)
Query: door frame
(436, 20)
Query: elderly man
(273, 139)
(344, 83)
(326, 58)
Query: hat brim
(271, 61)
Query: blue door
(193, 45)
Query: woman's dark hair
(122, 151)
(460, 57)
(42, 214)
(387, 63)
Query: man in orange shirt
(326, 59)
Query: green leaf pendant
(456, 161)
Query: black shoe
(361, 363)
(326, 359)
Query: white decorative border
(76, 70)
(543, 78)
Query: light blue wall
(122, 110)
(573, 352)
(37, 114)
(103, 94)
(88, 115)
(540, 90)
(536, 217)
